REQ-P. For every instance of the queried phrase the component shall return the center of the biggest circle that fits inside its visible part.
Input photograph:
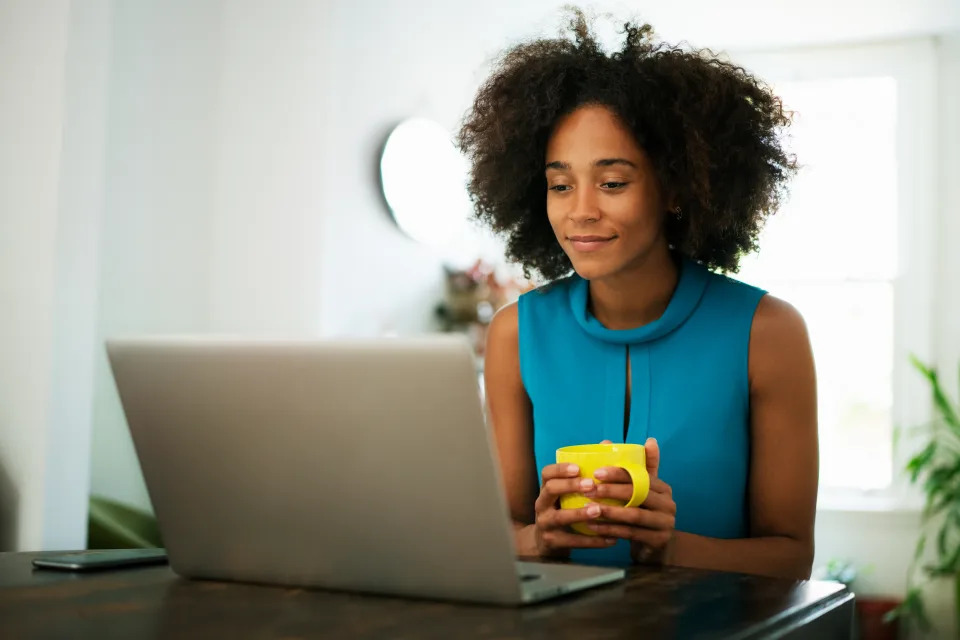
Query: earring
(678, 213)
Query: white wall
(75, 297)
(217, 114)
(947, 330)
(156, 232)
(271, 113)
(31, 107)
(52, 116)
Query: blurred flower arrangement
(472, 296)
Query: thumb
(653, 457)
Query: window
(851, 246)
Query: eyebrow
(602, 162)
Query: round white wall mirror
(423, 177)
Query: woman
(644, 172)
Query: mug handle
(641, 483)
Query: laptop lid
(358, 465)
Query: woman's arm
(509, 411)
(784, 463)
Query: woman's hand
(549, 533)
(649, 527)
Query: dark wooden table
(152, 602)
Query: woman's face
(604, 201)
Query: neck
(635, 296)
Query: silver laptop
(363, 466)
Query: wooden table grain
(152, 602)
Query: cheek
(636, 217)
(555, 218)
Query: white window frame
(913, 64)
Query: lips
(590, 243)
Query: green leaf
(937, 502)
(918, 611)
(942, 478)
(911, 608)
(919, 366)
(939, 397)
(942, 488)
(920, 461)
(897, 612)
(947, 567)
(921, 545)
(942, 540)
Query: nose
(584, 206)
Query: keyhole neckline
(691, 284)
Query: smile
(590, 243)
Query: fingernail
(593, 511)
(573, 470)
(600, 474)
(586, 484)
(611, 541)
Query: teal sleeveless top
(689, 391)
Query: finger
(653, 537)
(613, 474)
(559, 487)
(553, 489)
(653, 457)
(560, 539)
(614, 491)
(559, 470)
(660, 502)
(645, 518)
(660, 496)
(606, 442)
(559, 518)
(616, 484)
(659, 486)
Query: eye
(613, 185)
(560, 187)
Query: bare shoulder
(779, 341)
(776, 320)
(504, 329)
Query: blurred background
(285, 168)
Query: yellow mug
(590, 457)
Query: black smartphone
(101, 559)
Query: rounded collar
(691, 283)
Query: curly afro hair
(711, 130)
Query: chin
(594, 269)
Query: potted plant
(871, 622)
(937, 470)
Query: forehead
(589, 133)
